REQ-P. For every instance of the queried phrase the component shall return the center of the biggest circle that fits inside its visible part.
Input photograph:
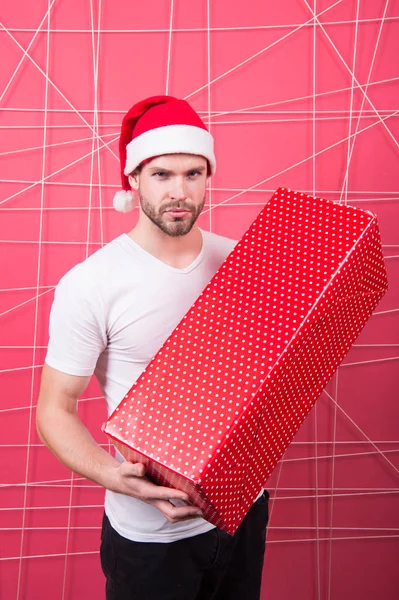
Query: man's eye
(160, 174)
(193, 173)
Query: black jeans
(209, 566)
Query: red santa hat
(156, 126)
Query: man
(111, 313)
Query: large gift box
(220, 402)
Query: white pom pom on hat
(155, 126)
(124, 201)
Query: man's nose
(178, 191)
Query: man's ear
(134, 181)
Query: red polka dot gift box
(220, 402)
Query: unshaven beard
(179, 225)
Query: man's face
(171, 189)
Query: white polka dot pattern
(218, 405)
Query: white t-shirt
(110, 316)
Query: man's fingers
(174, 504)
(146, 489)
(158, 492)
(180, 513)
(165, 493)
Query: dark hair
(138, 169)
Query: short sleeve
(77, 324)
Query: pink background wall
(292, 100)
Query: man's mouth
(177, 211)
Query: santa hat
(156, 126)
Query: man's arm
(62, 431)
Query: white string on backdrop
(300, 162)
(215, 205)
(264, 121)
(208, 90)
(341, 58)
(35, 330)
(34, 184)
(55, 145)
(203, 29)
(330, 548)
(339, 111)
(95, 152)
(345, 184)
(25, 52)
(295, 99)
(270, 541)
(351, 147)
(382, 454)
(260, 52)
(169, 47)
(315, 410)
(332, 488)
(5, 312)
(246, 110)
(49, 81)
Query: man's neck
(178, 252)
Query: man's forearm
(69, 440)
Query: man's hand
(130, 479)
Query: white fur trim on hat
(124, 201)
(171, 139)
